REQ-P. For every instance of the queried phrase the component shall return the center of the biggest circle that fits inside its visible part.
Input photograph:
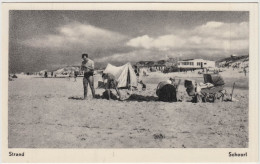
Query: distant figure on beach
(71, 74)
(143, 85)
(87, 66)
(244, 70)
(14, 76)
(10, 78)
(45, 74)
(76, 73)
(52, 74)
(136, 71)
(144, 73)
(111, 82)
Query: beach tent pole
(130, 82)
(232, 90)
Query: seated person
(111, 82)
(143, 85)
(169, 81)
(174, 82)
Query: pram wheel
(218, 97)
(205, 98)
(208, 97)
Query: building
(192, 64)
(234, 56)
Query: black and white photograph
(131, 79)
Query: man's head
(85, 57)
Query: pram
(215, 92)
(212, 90)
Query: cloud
(164, 42)
(217, 36)
(221, 30)
(209, 40)
(77, 35)
(142, 41)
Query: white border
(143, 155)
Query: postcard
(130, 82)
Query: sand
(49, 113)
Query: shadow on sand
(140, 98)
(133, 97)
(97, 96)
(63, 77)
(76, 98)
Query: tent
(67, 70)
(59, 71)
(42, 72)
(125, 75)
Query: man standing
(87, 67)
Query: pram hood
(189, 83)
(214, 79)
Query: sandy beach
(49, 113)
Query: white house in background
(196, 64)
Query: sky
(52, 39)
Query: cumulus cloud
(162, 43)
(221, 30)
(217, 36)
(210, 40)
(142, 41)
(77, 35)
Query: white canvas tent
(42, 72)
(59, 71)
(125, 75)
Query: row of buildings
(182, 65)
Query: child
(143, 85)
